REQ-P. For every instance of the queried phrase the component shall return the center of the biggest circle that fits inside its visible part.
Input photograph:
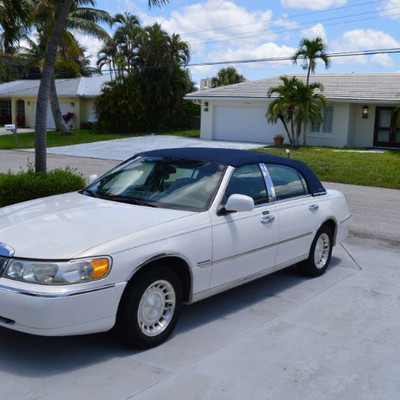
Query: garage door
(244, 123)
(64, 107)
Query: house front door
(387, 130)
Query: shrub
(29, 185)
(87, 125)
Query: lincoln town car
(163, 229)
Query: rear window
(287, 181)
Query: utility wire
(289, 16)
(289, 58)
(249, 35)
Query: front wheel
(320, 254)
(149, 309)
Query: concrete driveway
(281, 337)
(121, 149)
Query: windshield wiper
(129, 200)
(91, 193)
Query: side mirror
(91, 179)
(239, 203)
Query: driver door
(244, 243)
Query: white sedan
(164, 228)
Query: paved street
(281, 337)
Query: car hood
(64, 226)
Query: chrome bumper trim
(346, 219)
(55, 295)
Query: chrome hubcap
(321, 252)
(156, 308)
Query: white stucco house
(360, 112)
(75, 95)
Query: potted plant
(278, 140)
(67, 119)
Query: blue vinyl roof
(238, 158)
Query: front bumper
(58, 311)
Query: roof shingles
(378, 87)
(77, 87)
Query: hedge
(22, 186)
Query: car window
(248, 180)
(169, 183)
(287, 181)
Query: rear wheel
(149, 309)
(320, 254)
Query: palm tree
(227, 76)
(296, 103)
(48, 69)
(107, 57)
(310, 51)
(80, 18)
(15, 18)
(44, 88)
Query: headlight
(57, 273)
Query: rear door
(298, 213)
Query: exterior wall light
(365, 112)
(206, 106)
(72, 104)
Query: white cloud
(317, 30)
(364, 39)
(314, 4)
(266, 50)
(201, 23)
(391, 9)
(92, 45)
(383, 60)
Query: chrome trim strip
(203, 264)
(346, 219)
(268, 183)
(304, 196)
(6, 250)
(230, 285)
(55, 295)
(261, 248)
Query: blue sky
(230, 30)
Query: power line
(289, 16)
(243, 35)
(289, 58)
(354, 53)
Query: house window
(5, 112)
(326, 123)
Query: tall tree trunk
(55, 109)
(44, 88)
(306, 120)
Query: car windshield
(160, 182)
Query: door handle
(313, 207)
(267, 219)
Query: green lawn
(367, 169)
(78, 136)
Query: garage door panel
(244, 123)
(64, 108)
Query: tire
(320, 254)
(150, 308)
